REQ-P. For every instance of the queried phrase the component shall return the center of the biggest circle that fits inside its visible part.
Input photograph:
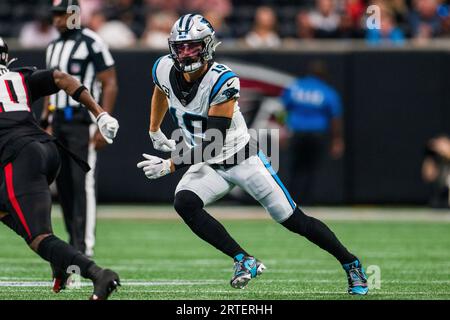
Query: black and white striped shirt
(82, 54)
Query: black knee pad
(187, 204)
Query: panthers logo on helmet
(207, 23)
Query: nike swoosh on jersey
(230, 83)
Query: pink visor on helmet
(184, 50)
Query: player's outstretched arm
(76, 90)
(158, 111)
(219, 120)
(107, 125)
(108, 80)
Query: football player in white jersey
(202, 97)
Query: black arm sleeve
(42, 83)
(215, 134)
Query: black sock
(318, 233)
(190, 207)
(58, 260)
(61, 255)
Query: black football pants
(24, 190)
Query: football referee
(81, 53)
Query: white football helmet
(192, 42)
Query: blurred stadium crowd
(253, 23)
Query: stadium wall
(394, 101)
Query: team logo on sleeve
(231, 92)
(166, 90)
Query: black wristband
(76, 95)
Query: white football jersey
(190, 110)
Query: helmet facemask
(4, 56)
(189, 56)
(4, 59)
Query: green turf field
(160, 259)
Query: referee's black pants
(306, 153)
(77, 189)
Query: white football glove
(160, 141)
(154, 167)
(108, 126)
